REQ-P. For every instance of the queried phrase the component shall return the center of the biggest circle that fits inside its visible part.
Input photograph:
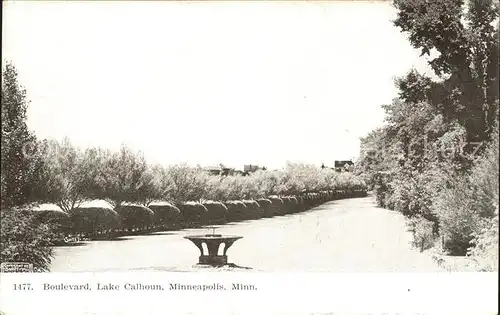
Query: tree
(67, 175)
(19, 153)
(189, 184)
(268, 182)
(121, 176)
(23, 239)
(467, 45)
(156, 185)
(420, 162)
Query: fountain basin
(213, 243)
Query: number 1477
(22, 286)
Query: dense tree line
(436, 158)
(70, 177)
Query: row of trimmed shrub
(103, 223)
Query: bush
(277, 205)
(465, 202)
(289, 204)
(313, 199)
(166, 215)
(24, 239)
(485, 250)
(266, 207)
(323, 196)
(237, 211)
(330, 195)
(307, 201)
(484, 179)
(59, 223)
(381, 187)
(457, 216)
(424, 234)
(93, 221)
(300, 204)
(295, 207)
(217, 212)
(135, 217)
(253, 209)
(194, 214)
(334, 195)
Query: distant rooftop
(343, 163)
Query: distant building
(342, 166)
(250, 168)
(221, 170)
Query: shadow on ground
(197, 268)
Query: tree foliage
(188, 183)
(465, 37)
(24, 239)
(19, 156)
(67, 175)
(121, 177)
(429, 160)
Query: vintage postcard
(250, 157)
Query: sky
(207, 83)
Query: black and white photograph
(250, 136)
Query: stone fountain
(213, 243)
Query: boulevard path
(350, 235)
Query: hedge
(277, 205)
(266, 206)
(97, 220)
(253, 209)
(194, 214)
(167, 216)
(94, 221)
(294, 204)
(237, 211)
(136, 218)
(217, 212)
(300, 204)
(288, 207)
(59, 221)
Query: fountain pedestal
(213, 242)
